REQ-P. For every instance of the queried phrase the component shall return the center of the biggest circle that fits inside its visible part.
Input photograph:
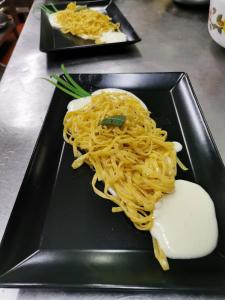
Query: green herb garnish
(118, 120)
(79, 89)
(46, 9)
(53, 6)
(68, 85)
(49, 11)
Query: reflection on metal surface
(9, 294)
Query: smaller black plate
(53, 40)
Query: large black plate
(61, 234)
(53, 40)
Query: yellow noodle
(181, 165)
(134, 160)
(85, 23)
(160, 255)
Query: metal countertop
(174, 38)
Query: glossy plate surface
(53, 40)
(193, 2)
(60, 234)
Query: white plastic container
(216, 21)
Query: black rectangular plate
(53, 40)
(61, 234)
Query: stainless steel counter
(174, 38)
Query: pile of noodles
(86, 23)
(134, 161)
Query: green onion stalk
(67, 84)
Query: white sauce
(178, 147)
(87, 37)
(112, 37)
(112, 192)
(185, 224)
(53, 20)
(107, 37)
(78, 103)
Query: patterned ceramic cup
(216, 23)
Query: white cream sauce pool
(185, 224)
(178, 147)
(113, 37)
(53, 20)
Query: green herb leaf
(46, 9)
(118, 120)
(53, 6)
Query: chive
(77, 86)
(53, 6)
(70, 79)
(62, 89)
(43, 9)
(46, 9)
(66, 84)
(118, 120)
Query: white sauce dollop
(87, 37)
(112, 192)
(185, 224)
(77, 104)
(178, 147)
(53, 20)
(112, 37)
